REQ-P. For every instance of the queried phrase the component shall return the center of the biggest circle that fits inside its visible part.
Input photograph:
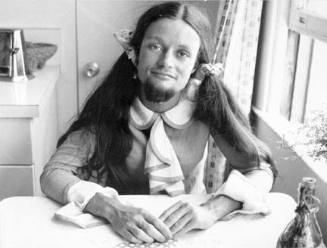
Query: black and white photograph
(161, 124)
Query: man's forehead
(173, 31)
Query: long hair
(106, 112)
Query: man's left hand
(183, 217)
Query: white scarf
(161, 161)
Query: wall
(55, 22)
(291, 169)
(50, 21)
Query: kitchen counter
(26, 99)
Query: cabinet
(28, 132)
(51, 22)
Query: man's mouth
(162, 75)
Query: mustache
(155, 93)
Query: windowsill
(285, 130)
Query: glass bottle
(304, 231)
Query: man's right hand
(134, 224)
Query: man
(149, 128)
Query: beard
(153, 92)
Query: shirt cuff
(242, 189)
(82, 192)
(262, 178)
(78, 196)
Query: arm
(239, 191)
(60, 182)
(61, 172)
(251, 188)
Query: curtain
(237, 33)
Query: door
(97, 20)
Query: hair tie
(212, 69)
(124, 37)
(208, 70)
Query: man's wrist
(103, 206)
(221, 205)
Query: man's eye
(183, 54)
(154, 46)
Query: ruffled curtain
(237, 36)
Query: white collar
(161, 162)
(178, 117)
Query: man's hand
(138, 225)
(134, 224)
(183, 217)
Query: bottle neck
(307, 201)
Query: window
(317, 7)
(317, 85)
(308, 22)
(291, 75)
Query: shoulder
(80, 139)
(80, 136)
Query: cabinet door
(15, 141)
(16, 180)
(97, 20)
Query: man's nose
(166, 59)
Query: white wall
(50, 21)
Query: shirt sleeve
(250, 188)
(81, 192)
(61, 172)
(78, 197)
(261, 178)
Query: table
(28, 222)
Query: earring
(134, 75)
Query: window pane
(317, 89)
(317, 6)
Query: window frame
(280, 17)
(306, 22)
(310, 24)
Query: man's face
(167, 57)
